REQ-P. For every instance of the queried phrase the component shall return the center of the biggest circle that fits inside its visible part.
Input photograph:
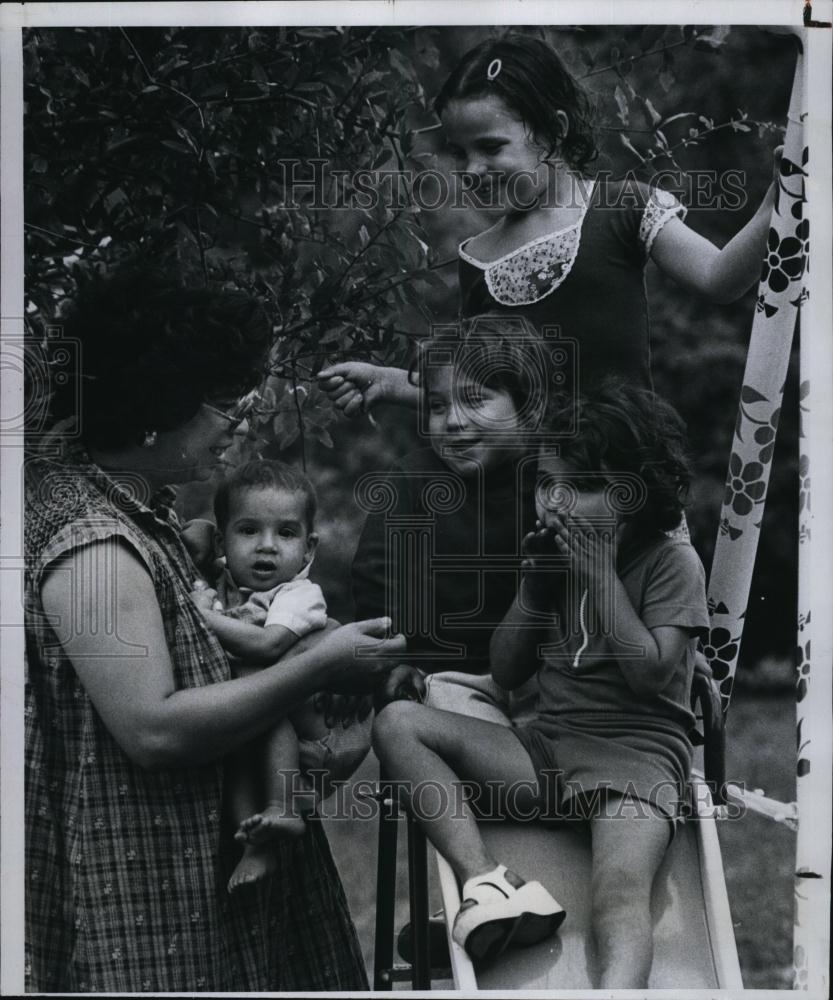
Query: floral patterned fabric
(126, 868)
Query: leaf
(666, 79)
(654, 117)
(629, 145)
(177, 147)
(382, 158)
(750, 395)
(397, 62)
(80, 75)
(622, 104)
(681, 114)
(259, 73)
(322, 435)
(714, 40)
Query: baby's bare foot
(256, 864)
(273, 822)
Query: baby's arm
(355, 386)
(513, 652)
(256, 644)
(297, 609)
(720, 275)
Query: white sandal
(498, 914)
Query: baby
(261, 605)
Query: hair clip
(495, 66)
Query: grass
(758, 855)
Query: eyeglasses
(238, 410)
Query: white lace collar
(533, 271)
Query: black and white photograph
(416, 483)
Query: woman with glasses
(130, 704)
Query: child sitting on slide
(608, 613)
(261, 605)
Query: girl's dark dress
(584, 284)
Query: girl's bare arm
(719, 275)
(513, 652)
(662, 648)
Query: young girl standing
(608, 613)
(568, 250)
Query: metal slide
(694, 943)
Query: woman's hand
(344, 708)
(361, 651)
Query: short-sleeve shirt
(586, 280)
(591, 730)
(665, 582)
(298, 604)
(127, 868)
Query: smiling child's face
(266, 541)
(490, 142)
(471, 425)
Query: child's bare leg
(423, 747)
(258, 830)
(280, 817)
(627, 852)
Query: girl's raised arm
(513, 651)
(719, 275)
(356, 386)
(128, 675)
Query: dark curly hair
(264, 474)
(535, 84)
(496, 351)
(152, 351)
(623, 428)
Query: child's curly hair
(496, 351)
(264, 474)
(535, 84)
(621, 427)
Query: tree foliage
(196, 144)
